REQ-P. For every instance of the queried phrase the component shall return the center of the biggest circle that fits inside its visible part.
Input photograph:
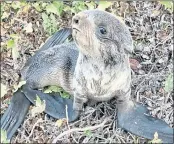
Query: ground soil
(151, 26)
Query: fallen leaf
(21, 83)
(134, 64)
(4, 137)
(39, 108)
(123, 7)
(51, 89)
(155, 13)
(10, 43)
(15, 53)
(3, 90)
(169, 83)
(88, 133)
(104, 4)
(156, 139)
(26, 8)
(60, 122)
(28, 28)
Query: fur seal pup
(94, 67)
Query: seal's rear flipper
(15, 114)
(135, 121)
(55, 105)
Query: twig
(38, 121)
(67, 121)
(79, 129)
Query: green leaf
(4, 137)
(167, 4)
(37, 6)
(16, 5)
(45, 17)
(88, 133)
(169, 83)
(44, 4)
(38, 101)
(90, 5)
(51, 89)
(78, 6)
(156, 139)
(104, 4)
(21, 83)
(59, 6)
(51, 9)
(64, 94)
(15, 53)
(5, 15)
(40, 106)
(14, 36)
(57, 89)
(10, 43)
(55, 8)
(45, 21)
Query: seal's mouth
(75, 29)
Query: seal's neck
(106, 61)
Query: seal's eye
(102, 30)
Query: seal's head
(101, 34)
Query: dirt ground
(151, 26)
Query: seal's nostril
(76, 21)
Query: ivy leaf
(57, 89)
(88, 133)
(40, 106)
(21, 83)
(55, 8)
(37, 6)
(64, 94)
(169, 83)
(104, 4)
(16, 5)
(156, 139)
(168, 5)
(51, 89)
(45, 21)
(59, 6)
(90, 5)
(4, 15)
(51, 9)
(4, 137)
(26, 8)
(10, 43)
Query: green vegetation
(169, 83)
(168, 5)
(4, 137)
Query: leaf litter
(151, 26)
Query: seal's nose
(78, 18)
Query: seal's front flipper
(55, 105)
(58, 38)
(135, 120)
(15, 113)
